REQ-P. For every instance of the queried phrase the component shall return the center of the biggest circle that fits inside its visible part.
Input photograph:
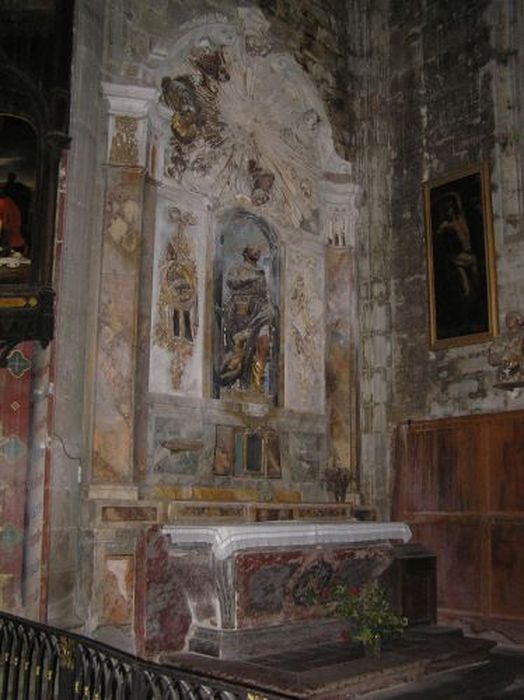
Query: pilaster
(119, 283)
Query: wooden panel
(445, 470)
(507, 593)
(459, 483)
(458, 546)
(506, 462)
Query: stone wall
(76, 281)
(438, 89)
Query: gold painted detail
(49, 675)
(124, 146)
(257, 372)
(177, 308)
(77, 687)
(66, 653)
(255, 696)
(17, 302)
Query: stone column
(112, 468)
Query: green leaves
(369, 612)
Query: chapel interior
(261, 317)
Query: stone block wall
(435, 91)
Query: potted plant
(370, 615)
(337, 479)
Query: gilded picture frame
(462, 287)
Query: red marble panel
(224, 450)
(172, 592)
(507, 574)
(118, 590)
(458, 545)
(276, 587)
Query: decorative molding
(124, 146)
(128, 107)
(226, 540)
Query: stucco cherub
(507, 352)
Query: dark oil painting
(461, 271)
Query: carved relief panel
(305, 332)
(175, 325)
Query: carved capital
(127, 133)
(341, 201)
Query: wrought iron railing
(38, 662)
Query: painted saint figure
(248, 317)
(462, 260)
(460, 278)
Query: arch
(20, 97)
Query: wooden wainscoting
(459, 483)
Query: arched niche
(31, 147)
(246, 301)
(18, 173)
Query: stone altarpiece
(226, 352)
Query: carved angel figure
(507, 352)
(179, 95)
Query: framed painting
(460, 256)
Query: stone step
(336, 669)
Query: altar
(228, 470)
(235, 590)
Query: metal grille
(38, 662)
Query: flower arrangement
(369, 613)
(337, 479)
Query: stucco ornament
(124, 145)
(507, 353)
(177, 322)
(242, 126)
(306, 312)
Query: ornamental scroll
(177, 323)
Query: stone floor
(433, 662)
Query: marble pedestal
(233, 591)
